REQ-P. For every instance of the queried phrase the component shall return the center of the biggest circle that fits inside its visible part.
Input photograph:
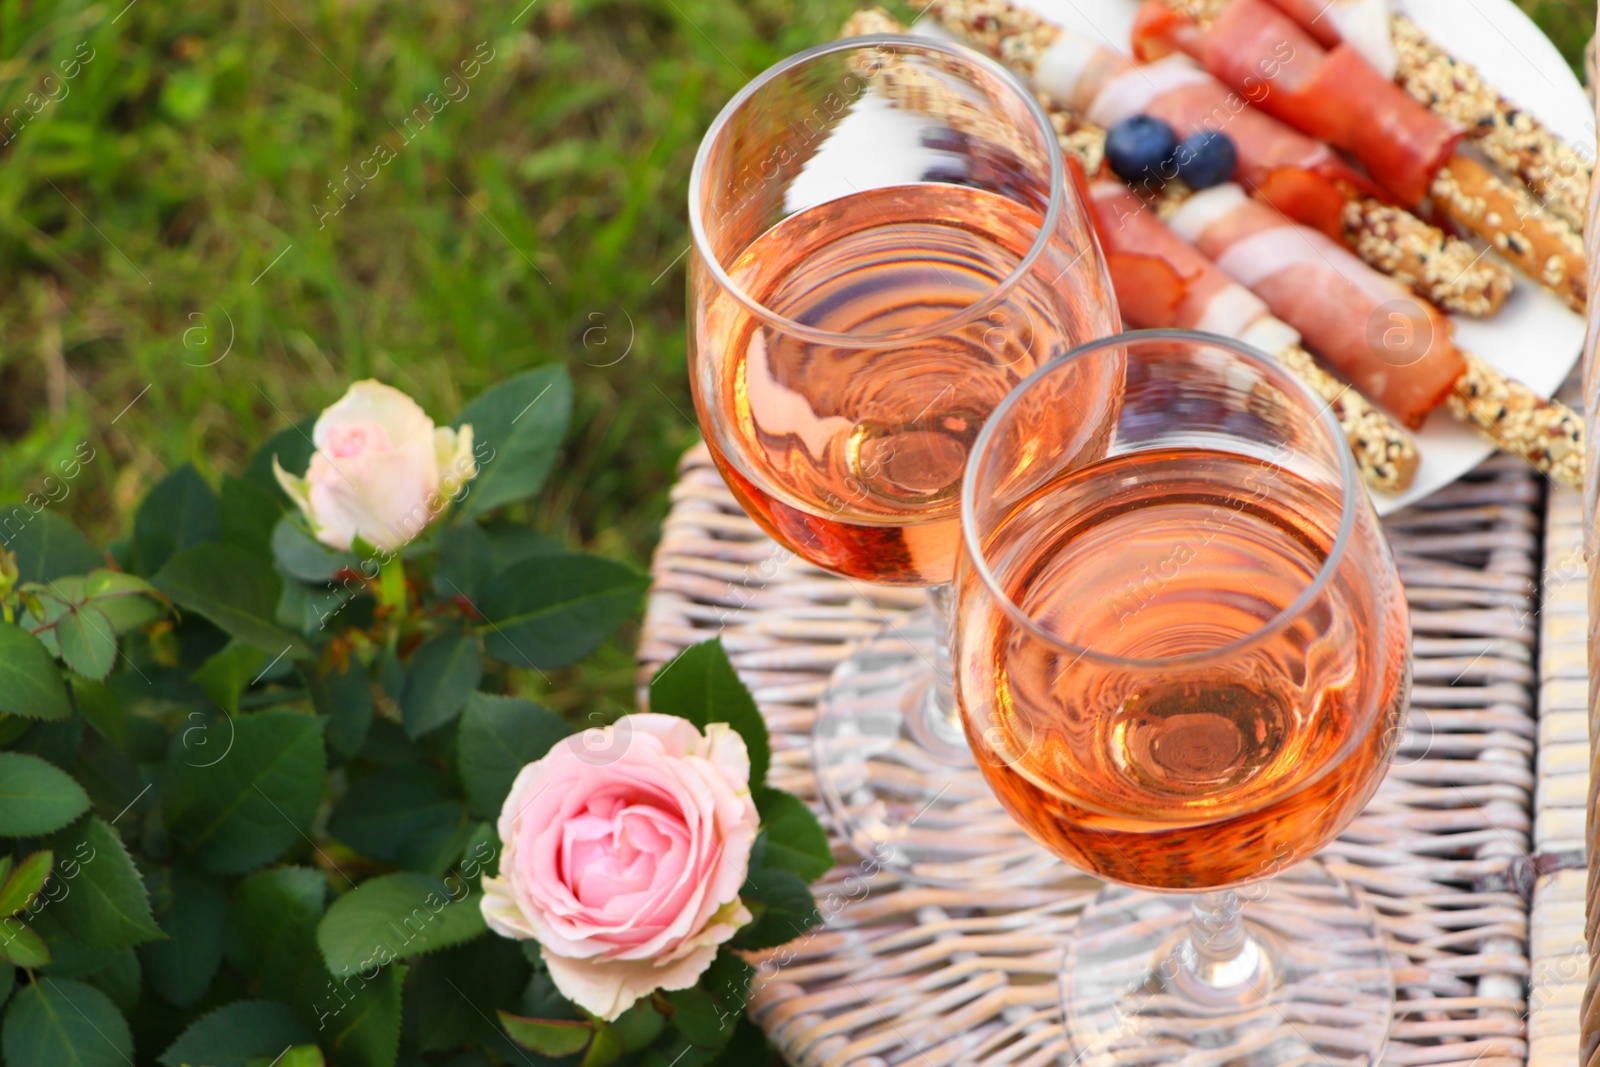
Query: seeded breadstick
(1546, 248)
(1546, 433)
(1442, 269)
(1385, 454)
(1508, 135)
(1545, 244)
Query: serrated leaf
(246, 515)
(748, 1045)
(304, 557)
(234, 1035)
(455, 993)
(796, 841)
(551, 611)
(699, 1018)
(292, 446)
(395, 917)
(57, 1021)
(701, 685)
(440, 675)
(21, 945)
(178, 512)
(192, 910)
(23, 883)
(728, 980)
(548, 1037)
(299, 1056)
(107, 907)
(235, 590)
(87, 641)
(517, 427)
(606, 1049)
(498, 737)
(48, 547)
(273, 933)
(640, 1025)
(472, 553)
(36, 797)
(365, 1031)
(101, 709)
(344, 698)
(783, 905)
(30, 683)
(228, 673)
(244, 808)
(403, 814)
(121, 980)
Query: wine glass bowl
(1182, 666)
(885, 244)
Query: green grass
(174, 197)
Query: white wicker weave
(903, 973)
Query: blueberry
(1206, 158)
(1139, 149)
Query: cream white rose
(382, 470)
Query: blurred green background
(200, 177)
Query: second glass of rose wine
(1183, 668)
(885, 243)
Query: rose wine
(853, 456)
(1262, 732)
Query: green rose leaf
(549, 1037)
(36, 797)
(236, 1034)
(243, 808)
(498, 737)
(471, 554)
(21, 945)
(8, 980)
(299, 1056)
(523, 420)
(246, 515)
(403, 814)
(395, 917)
(87, 641)
(57, 1021)
(22, 884)
(47, 546)
(440, 676)
(747, 1045)
(303, 556)
(273, 933)
(30, 683)
(344, 699)
(234, 589)
(700, 685)
(108, 907)
(551, 611)
(180, 511)
(227, 674)
(457, 991)
(365, 1030)
(192, 909)
(698, 1016)
(101, 709)
(292, 445)
(796, 841)
(783, 907)
(121, 980)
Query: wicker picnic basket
(1472, 852)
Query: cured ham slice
(1396, 349)
(1307, 179)
(1335, 96)
(1363, 23)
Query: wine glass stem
(1219, 958)
(942, 697)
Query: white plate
(1534, 337)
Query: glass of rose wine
(885, 243)
(1183, 667)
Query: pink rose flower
(624, 851)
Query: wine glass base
(1316, 988)
(899, 780)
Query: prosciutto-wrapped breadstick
(1338, 97)
(1164, 282)
(1393, 348)
(1297, 174)
(1451, 89)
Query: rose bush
(257, 758)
